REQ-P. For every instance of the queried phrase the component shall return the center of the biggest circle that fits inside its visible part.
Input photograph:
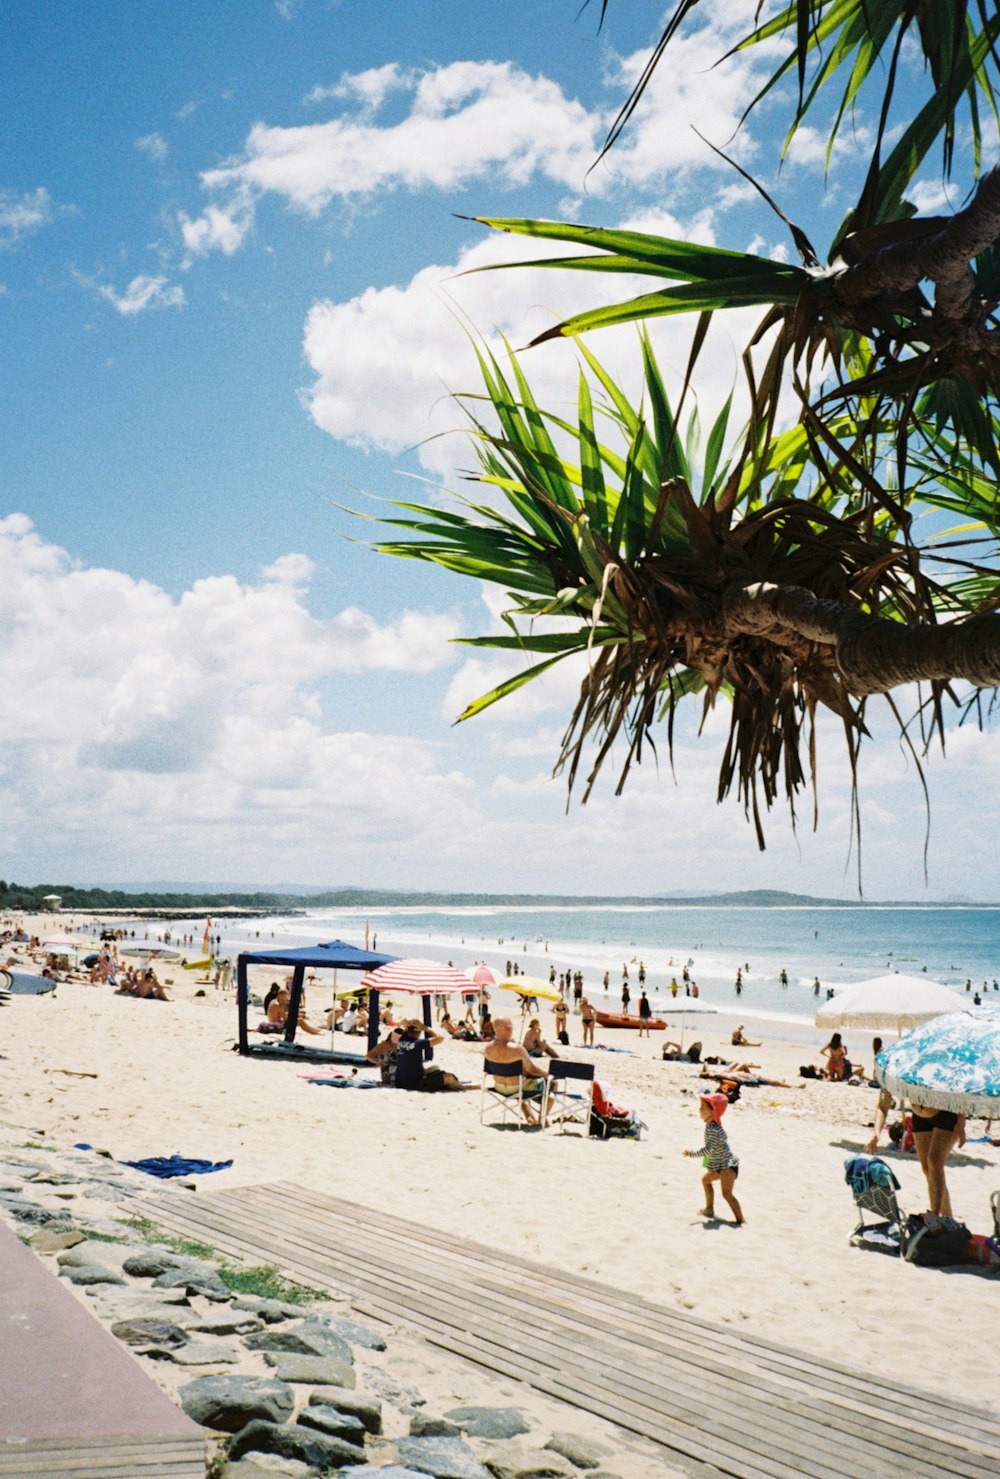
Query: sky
(235, 301)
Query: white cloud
(21, 215)
(369, 88)
(155, 145)
(142, 293)
(217, 229)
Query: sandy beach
(165, 1079)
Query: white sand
(625, 1213)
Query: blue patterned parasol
(952, 1063)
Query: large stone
(91, 1273)
(266, 1466)
(354, 1333)
(307, 1446)
(310, 1338)
(422, 1426)
(228, 1403)
(337, 1424)
(53, 1238)
(271, 1311)
(445, 1458)
(196, 1277)
(223, 1322)
(94, 1250)
(584, 1453)
(203, 1353)
(489, 1422)
(375, 1471)
(367, 1409)
(147, 1330)
(131, 1304)
(55, 1178)
(28, 1211)
(149, 1263)
(528, 1464)
(318, 1370)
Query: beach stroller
(875, 1186)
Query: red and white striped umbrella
(416, 978)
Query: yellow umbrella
(529, 986)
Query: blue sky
(231, 295)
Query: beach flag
(206, 944)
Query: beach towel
(166, 1166)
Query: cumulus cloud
(22, 214)
(143, 292)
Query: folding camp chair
(502, 1102)
(569, 1105)
(874, 1186)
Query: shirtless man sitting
(502, 1050)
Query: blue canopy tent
(333, 955)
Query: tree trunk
(872, 654)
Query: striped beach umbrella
(416, 978)
(950, 1063)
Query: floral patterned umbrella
(952, 1063)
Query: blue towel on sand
(166, 1166)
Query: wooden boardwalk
(74, 1403)
(752, 1410)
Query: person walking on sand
(717, 1157)
(645, 1012)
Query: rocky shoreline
(287, 1385)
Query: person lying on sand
(672, 1052)
(145, 985)
(742, 1073)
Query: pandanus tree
(784, 563)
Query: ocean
(836, 945)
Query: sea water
(834, 945)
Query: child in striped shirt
(718, 1159)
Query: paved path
(715, 1401)
(73, 1401)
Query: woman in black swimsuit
(936, 1132)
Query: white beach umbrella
(689, 1006)
(886, 1002)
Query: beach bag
(936, 1242)
(564, 1038)
(608, 1121)
(730, 1088)
(808, 1070)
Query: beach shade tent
(952, 1062)
(411, 977)
(886, 1002)
(335, 955)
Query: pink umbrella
(416, 978)
(483, 976)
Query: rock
(91, 1273)
(223, 1322)
(196, 1277)
(584, 1453)
(433, 1427)
(53, 1237)
(228, 1403)
(374, 1471)
(266, 1465)
(295, 1442)
(147, 1330)
(27, 1211)
(108, 1255)
(509, 1461)
(271, 1311)
(367, 1409)
(445, 1458)
(149, 1263)
(330, 1420)
(104, 1191)
(489, 1422)
(201, 1353)
(55, 1178)
(353, 1333)
(318, 1370)
(308, 1339)
(113, 1304)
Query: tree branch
(872, 654)
(943, 257)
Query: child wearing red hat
(717, 1157)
